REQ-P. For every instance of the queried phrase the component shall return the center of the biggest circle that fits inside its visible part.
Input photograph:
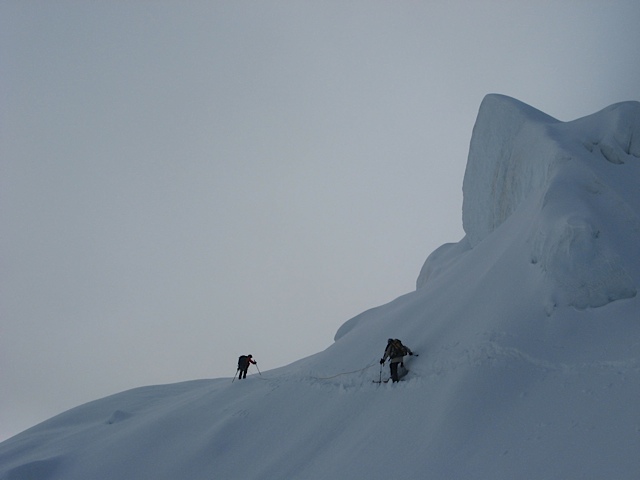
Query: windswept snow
(527, 332)
(559, 175)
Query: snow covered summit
(526, 331)
(569, 181)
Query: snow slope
(527, 331)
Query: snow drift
(527, 332)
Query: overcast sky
(185, 182)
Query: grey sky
(184, 182)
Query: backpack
(398, 349)
(243, 361)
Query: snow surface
(527, 330)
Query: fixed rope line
(319, 378)
(345, 373)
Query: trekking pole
(234, 375)
(258, 369)
(380, 380)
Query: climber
(395, 351)
(243, 365)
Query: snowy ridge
(516, 151)
(562, 174)
(510, 156)
(527, 333)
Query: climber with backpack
(243, 365)
(395, 352)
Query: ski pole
(258, 369)
(234, 375)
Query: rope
(261, 377)
(344, 373)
